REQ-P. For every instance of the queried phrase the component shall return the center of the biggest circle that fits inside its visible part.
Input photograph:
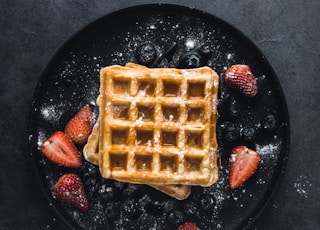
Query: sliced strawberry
(188, 226)
(80, 126)
(69, 189)
(59, 149)
(240, 77)
(243, 163)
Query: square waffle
(158, 126)
(91, 154)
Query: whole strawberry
(80, 126)
(188, 226)
(69, 189)
(241, 78)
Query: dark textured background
(286, 31)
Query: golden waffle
(157, 126)
(91, 149)
(91, 154)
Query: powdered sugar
(41, 138)
(269, 151)
(302, 186)
(51, 112)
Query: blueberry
(130, 209)
(234, 109)
(175, 217)
(146, 54)
(248, 134)
(190, 208)
(194, 58)
(269, 123)
(112, 210)
(207, 202)
(153, 208)
(92, 186)
(229, 107)
(108, 193)
(192, 61)
(230, 131)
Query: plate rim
(284, 155)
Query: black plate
(72, 79)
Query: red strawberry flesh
(59, 149)
(188, 226)
(80, 126)
(69, 189)
(243, 163)
(241, 78)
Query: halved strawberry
(69, 189)
(243, 163)
(188, 226)
(59, 149)
(241, 78)
(80, 126)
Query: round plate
(72, 79)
